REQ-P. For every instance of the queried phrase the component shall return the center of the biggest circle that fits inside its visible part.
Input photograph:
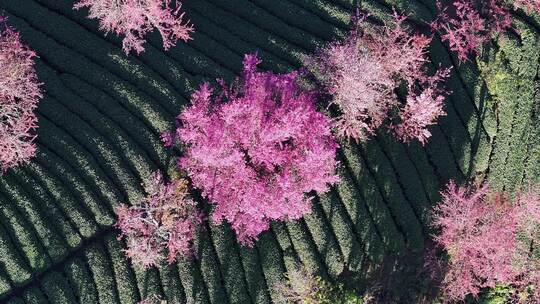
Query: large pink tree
(363, 72)
(136, 18)
(19, 95)
(160, 226)
(490, 241)
(256, 149)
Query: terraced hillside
(99, 131)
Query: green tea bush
(407, 175)
(140, 132)
(268, 22)
(254, 276)
(172, 287)
(55, 178)
(90, 142)
(271, 259)
(126, 283)
(5, 284)
(15, 301)
(210, 270)
(305, 246)
(42, 225)
(379, 211)
(341, 225)
(299, 18)
(81, 281)
(192, 281)
(57, 289)
(251, 34)
(325, 240)
(231, 268)
(363, 223)
(34, 295)
(99, 264)
(24, 236)
(303, 287)
(51, 209)
(95, 182)
(235, 42)
(391, 191)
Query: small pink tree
(256, 149)
(418, 114)
(19, 95)
(488, 240)
(469, 24)
(136, 18)
(363, 73)
(161, 225)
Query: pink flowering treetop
(417, 115)
(256, 149)
(469, 24)
(161, 225)
(19, 95)
(489, 241)
(136, 18)
(363, 73)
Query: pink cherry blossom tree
(19, 95)
(363, 73)
(136, 18)
(469, 24)
(161, 225)
(418, 114)
(256, 149)
(490, 241)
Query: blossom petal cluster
(363, 73)
(489, 240)
(256, 149)
(19, 96)
(136, 18)
(160, 226)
